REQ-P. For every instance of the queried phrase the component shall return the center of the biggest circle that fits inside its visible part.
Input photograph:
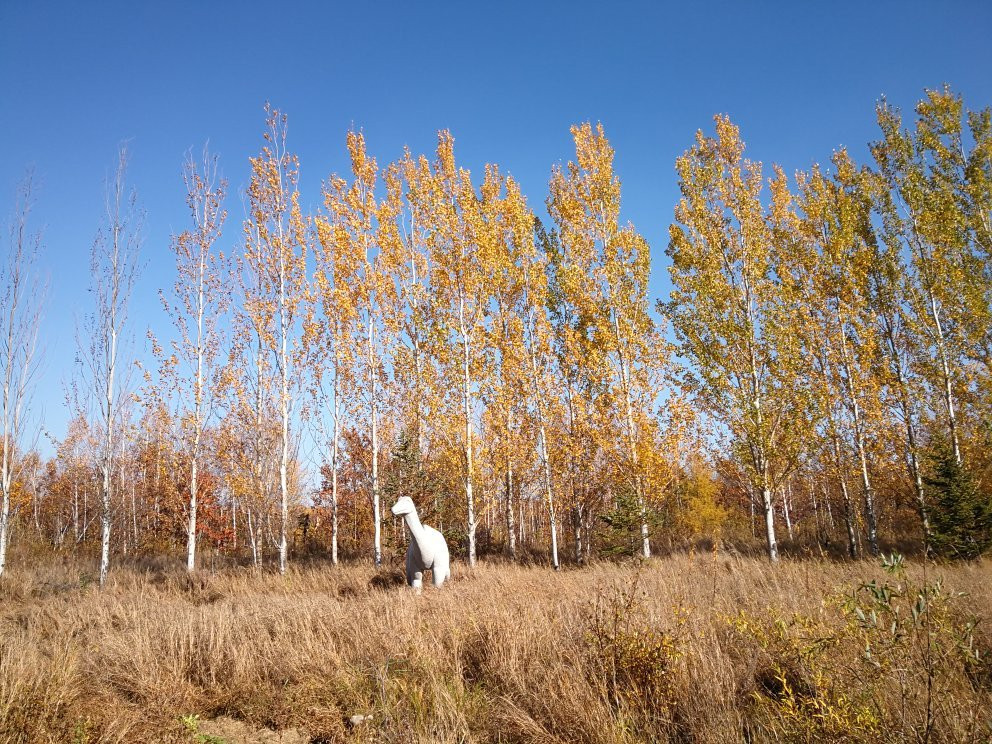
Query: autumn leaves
(839, 329)
(417, 304)
(425, 334)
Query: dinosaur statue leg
(442, 563)
(441, 570)
(414, 573)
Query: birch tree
(410, 268)
(925, 173)
(21, 302)
(275, 250)
(338, 264)
(887, 288)
(723, 309)
(585, 205)
(537, 338)
(201, 297)
(113, 270)
(459, 242)
(514, 253)
(824, 268)
(353, 211)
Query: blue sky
(506, 78)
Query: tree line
(823, 359)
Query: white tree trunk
(769, 505)
(510, 527)
(107, 466)
(467, 413)
(20, 314)
(334, 473)
(859, 439)
(197, 418)
(785, 511)
(284, 411)
(374, 406)
(912, 462)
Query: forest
(820, 375)
(770, 490)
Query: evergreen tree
(406, 476)
(961, 514)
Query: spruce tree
(961, 514)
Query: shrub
(633, 661)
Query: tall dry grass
(711, 649)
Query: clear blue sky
(507, 78)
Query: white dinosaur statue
(428, 549)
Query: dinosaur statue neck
(416, 529)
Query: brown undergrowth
(712, 649)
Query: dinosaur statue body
(428, 550)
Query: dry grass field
(704, 649)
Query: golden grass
(707, 649)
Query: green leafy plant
(191, 724)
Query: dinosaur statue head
(403, 506)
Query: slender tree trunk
(632, 438)
(122, 507)
(785, 510)
(197, 419)
(107, 464)
(258, 470)
(859, 440)
(6, 469)
(334, 475)
(758, 448)
(852, 540)
(467, 413)
(946, 374)
(768, 502)
(134, 512)
(522, 524)
(912, 462)
(77, 532)
(376, 505)
(818, 521)
(105, 523)
(284, 454)
(417, 360)
(191, 521)
(510, 528)
(546, 468)
(588, 535)
(852, 537)
(20, 306)
(577, 532)
(253, 538)
(4, 524)
(6, 474)
(36, 514)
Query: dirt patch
(232, 731)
